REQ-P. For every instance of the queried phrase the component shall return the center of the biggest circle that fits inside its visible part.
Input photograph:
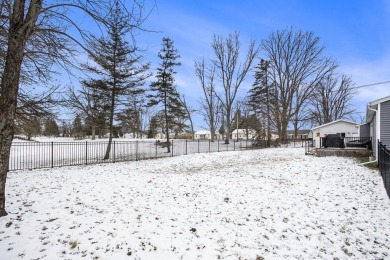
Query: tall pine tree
(261, 96)
(118, 63)
(163, 90)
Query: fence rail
(38, 155)
(342, 142)
(384, 165)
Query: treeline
(295, 85)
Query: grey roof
(373, 105)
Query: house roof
(333, 122)
(378, 101)
(202, 132)
(300, 132)
(243, 131)
(374, 105)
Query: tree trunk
(228, 126)
(268, 118)
(284, 131)
(93, 131)
(107, 155)
(192, 129)
(8, 101)
(212, 130)
(296, 129)
(166, 122)
(167, 131)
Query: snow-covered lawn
(271, 203)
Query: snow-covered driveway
(272, 203)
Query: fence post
(209, 146)
(198, 146)
(114, 152)
(218, 145)
(86, 152)
(52, 154)
(172, 147)
(186, 148)
(156, 148)
(136, 150)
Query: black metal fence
(336, 141)
(384, 165)
(38, 155)
(309, 145)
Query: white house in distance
(242, 134)
(274, 136)
(160, 136)
(342, 127)
(301, 134)
(134, 136)
(206, 134)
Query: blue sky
(355, 32)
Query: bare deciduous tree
(209, 103)
(332, 99)
(89, 102)
(297, 64)
(189, 110)
(231, 71)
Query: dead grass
(73, 244)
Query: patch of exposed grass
(73, 244)
(364, 159)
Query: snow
(272, 203)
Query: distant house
(134, 136)
(160, 136)
(205, 134)
(243, 134)
(301, 135)
(377, 122)
(343, 128)
(274, 136)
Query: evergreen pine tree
(164, 91)
(119, 64)
(261, 96)
(78, 127)
(51, 128)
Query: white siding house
(135, 136)
(242, 134)
(160, 136)
(205, 134)
(378, 117)
(342, 127)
